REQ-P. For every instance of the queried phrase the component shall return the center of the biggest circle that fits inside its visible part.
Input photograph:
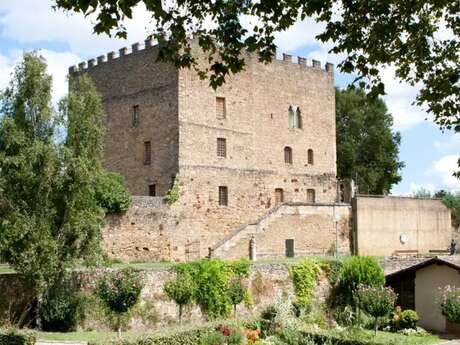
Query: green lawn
(383, 338)
(91, 337)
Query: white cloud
(451, 143)
(46, 25)
(414, 187)
(442, 170)
(58, 65)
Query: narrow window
(310, 156)
(279, 195)
(147, 152)
(223, 195)
(294, 117)
(288, 155)
(221, 147)
(135, 115)
(152, 190)
(221, 111)
(289, 244)
(311, 195)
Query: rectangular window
(221, 111)
(221, 147)
(223, 195)
(147, 152)
(152, 190)
(311, 195)
(135, 115)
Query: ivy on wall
(304, 275)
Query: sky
(64, 40)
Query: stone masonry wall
(124, 81)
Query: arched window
(310, 156)
(294, 117)
(288, 155)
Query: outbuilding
(419, 284)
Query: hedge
(12, 337)
(189, 337)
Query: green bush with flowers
(450, 304)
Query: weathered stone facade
(176, 119)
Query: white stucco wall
(428, 284)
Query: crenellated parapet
(148, 44)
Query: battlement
(148, 44)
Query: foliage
(173, 193)
(111, 194)
(50, 219)
(181, 290)
(212, 278)
(278, 316)
(120, 291)
(304, 276)
(419, 39)
(13, 337)
(376, 301)
(359, 270)
(61, 309)
(367, 147)
(452, 202)
(212, 338)
(450, 304)
(409, 319)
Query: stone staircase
(245, 232)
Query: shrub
(111, 194)
(376, 301)
(120, 291)
(61, 309)
(359, 270)
(13, 337)
(173, 194)
(409, 319)
(236, 294)
(212, 338)
(450, 304)
(304, 276)
(212, 278)
(181, 290)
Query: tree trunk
(38, 318)
(376, 326)
(234, 313)
(119, 326)
(180, 315)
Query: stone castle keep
(254, 159)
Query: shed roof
(394, 267)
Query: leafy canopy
(49, 217)
(367, 148)
(419, 38)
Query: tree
(367, 148)
(181, 290)
(419, 38)
(120, 291)
(236, 293)
(49, 217)
(376, 301)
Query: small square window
(221, 111)
(223, 195)
(221, 147)
(147, 152)
(135, 115)
(152, 190)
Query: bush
(111, 194)
(376, 301)
(13, 337)
(61, 309)
(409, 319)
(450, 304)
(120, 291)
(212, 278)
(304, 276)
(173, 194)
(359, 270)
(181, 290)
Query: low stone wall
(266, 282)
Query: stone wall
(266, 282)
(386, 226)
(124, 81)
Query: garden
(356, 310)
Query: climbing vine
(173, 193)
(304, 275)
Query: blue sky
(65, 40)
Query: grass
(91, 337)
(382, 338)
(5, 269)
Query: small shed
(419, 286)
